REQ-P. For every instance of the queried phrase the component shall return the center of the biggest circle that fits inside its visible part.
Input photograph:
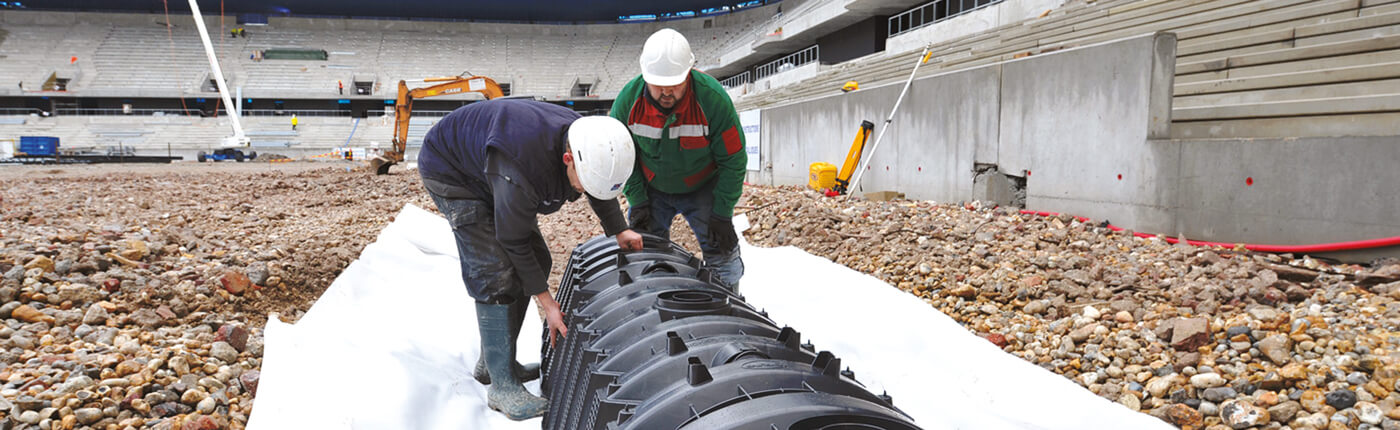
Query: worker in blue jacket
(492, 168)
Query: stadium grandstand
(1166, 97)
(107, 78)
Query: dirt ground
(300, 222)
(165, 274)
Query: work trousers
(486, 269)
(696, 207)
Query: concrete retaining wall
(930, 148)
(1019, 114)
(1288, 191)
(1088, 129)
(1078, 120)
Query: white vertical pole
(238, 136)
(866, 160)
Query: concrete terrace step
(1245, 50)
(1359, 23)
(1385, 8)
(1243, 35)
(1287, 15)
(1176, 7)
(1291, 54)
(1034, 28)
(1349, 89)
(1131, 6)
(1309, 33)
(1202, 12)
(1376, 124)
(1094, 18)
(1351, 60)
(1103, 28)
(1363, 33)
(1257, 28)
(1323, 106)
(1361, 59)
(1315, 23)
(1312, 77)
(1342, 15)
(1080, 12)
(1260, 38)
(1158, 14)
(1150, 13)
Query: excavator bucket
(381, 164)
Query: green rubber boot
(505, 394)
(523, 372)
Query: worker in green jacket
(690, 152)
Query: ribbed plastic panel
(655, 343)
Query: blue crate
(38, 145)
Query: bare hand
(629, 240)
(553, 316)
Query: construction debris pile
(1198, 337)
(139, 299)
(137, 296)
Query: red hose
(1300, 249)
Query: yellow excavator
(403, 108)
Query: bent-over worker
(492, 168)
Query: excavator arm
(403, 110)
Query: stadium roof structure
(482, 10)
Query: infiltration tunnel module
(656, 342)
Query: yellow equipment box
(821, 176)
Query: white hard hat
(603, 155)
(666, 58)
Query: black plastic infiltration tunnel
(654, 343)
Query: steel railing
(793, 60)
(297, 112)
(120, 111)
(737, 80)
(932, 12)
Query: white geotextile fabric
(392, 342)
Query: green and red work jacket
(678, 153)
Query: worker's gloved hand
(722, 233)
(641, 218)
